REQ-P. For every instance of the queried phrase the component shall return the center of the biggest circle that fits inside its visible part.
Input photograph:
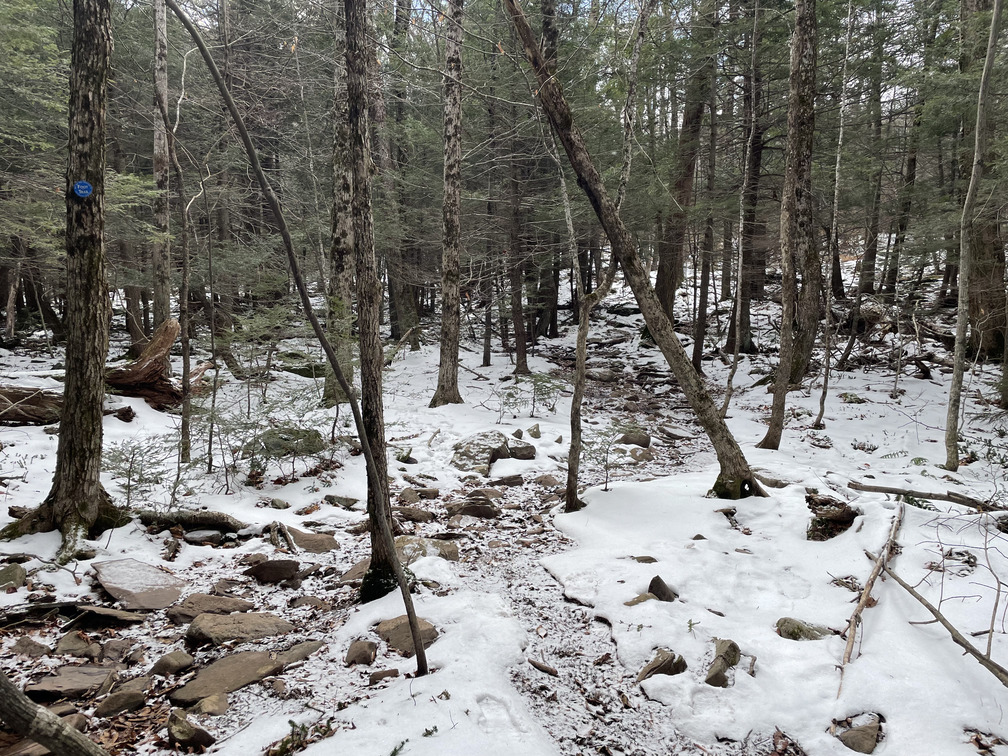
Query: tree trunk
(967, 243)
(515, 273)
(447, 389)
(161, 250)
(77, 498)
(707, 252)
(869, 261)
(797, 230)
(735, 479)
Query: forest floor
(563, 590)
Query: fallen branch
(188, 518)
(880, 563)
(148, 375)
(398, 347)
(989, 664)
(29, 406)
(952, 496)
(543, 667)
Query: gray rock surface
(138, 585)
(313, 543)
(661, 590)
(413, 514)
(71, 682)
(382, 674)
(79, 645)
(12, 576)
(797, 630)
(726, 656)
(273, 570)
(521, 449)
(482, 510)
(196, 604)
(172, 663)
(186, 735)
(411, 548)
(477, 453)
(217, 629)
(862, 738)
(120, 701)
(665, 662)
(227, 675)
(635, 438)
(361, 652)
(396, 632)
(26, 646)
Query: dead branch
(952, 496)
(398, 347)
(543, 667)
(149, 375)
(880, 563)
(188, 518)
(989, 664)
(29, 406)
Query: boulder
(521, 449)
(411, 548)
(361, 652)
(79, 645)
(172, 663)
(120, 701)
(12, 576)
(71, 682)
(726, 656)
(286, 441)
(534, 431)
(477, 453)
(635, 437)
(206, 536)
(409, 496)
(396, 632)
(214, 705)
(665, 662)
(483, 510)
(218, 629)
(356, 573)
(116, 649)
(346, 502)
(796, 630)
(660, 589)
(204, 603)
(299, 652)
(413, 514)
(186, 735)
(274, 570)
(376, 677)
(313, 543)
(138, 585)
(603, 375)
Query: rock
(227, 675)
(645, 559)
(480, 494)
(30, 748)
(311, 601)
(217, 629)
(411, 548)
(279, 504)
(116, 650)
(204, 603)
(478, 453)
(635, 438)
(676, 433)
(120, 701)
(665, 662)
(137, 684)
(12, 576)
(660, 589)
(203, 537)
(299, 652)
(641, 455)
(521, 449)
(356, 573)
(482, 510)
(640, 599)
(831, 517)
(214, 705)
(509, 480)
(25, 646)
(396, 632)
(313, 543)
(138, 585)
(273, 570)
(603, 375)
(413, 514)
(428, 493)
(409, 496)
(286, 441)
(346, 502)
(377, 677)
(547, 481)
(796, 630)
(534, 431)
(361, 652)
(699, 537)
(172, 663)
(77, 644)
(71, 682)
(186, 735)
(103, 616)
(518, 434)
(862, 738)
(726, 656)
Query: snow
(556, 588)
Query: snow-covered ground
(555, 587)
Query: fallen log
(952, 496)
(29, 406)
(188, 518)
(148, 376)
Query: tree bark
(447, 388)
(30, 720)
(161, 250)
(515, 273)
(797, 233)
(735, 479)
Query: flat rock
(509, 481)
(383, 674)
(217, 629)
(30, 748)
(299, 652)
(227, 675)
(186, 735)
(71, 682)
(12, 576)
(481, 494)
(313, 543)
(138, 585)
(547, 481)
(214, 705)
(79, 645)
(346, 502)
(660, 589)
(477, 453)
(116, 649)
(640, 599)
(26, 646)
(414, 514)
(277, 443)
(411, 548)
(796, 630)
(120, 701)
(635, 438)
(665, 662)
(103, 616)
(196, 604)
(311, 601)
(356, 573)
(676, 433)
(603, 375)
(361, 652)
(521, 449)
(482, 510)
(205, 536)
(273, 570)
(172, 663)
(396, 632)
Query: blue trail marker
(82, 189)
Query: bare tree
(161, 250)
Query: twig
(954, 497)
(880, 561)
(991, 666)
(543, 667)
